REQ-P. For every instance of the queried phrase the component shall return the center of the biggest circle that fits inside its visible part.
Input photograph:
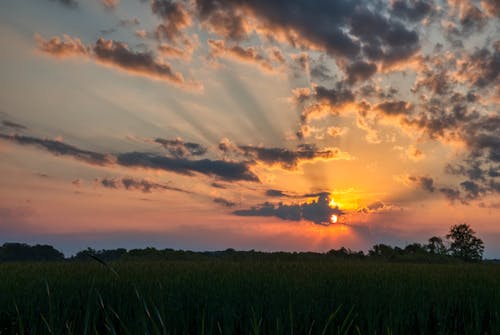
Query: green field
(249, 297)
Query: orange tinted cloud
(117, 55)
(65, 47)
(218, 48)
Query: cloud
(61, 149)
(225, 170)
(13, 125)
(481, 68)
(65, 47)
(175, 18)
(492, 8)
(223, 19)
(348, 30)
(376, 206)
(115, 54)
(321, 72)
(279, 193)
(317, 211)
(360, 71)
(451, 194)
(132, 184)
(68, 3)
(336, 131)
(250, 55)
(224, 202)
(290, 159)
(179, 148)
(132, 22)
(230, 171)
(394, 108)
(412, 10)
(426, 183)
(110, 3)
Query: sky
(249, 124)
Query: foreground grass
(249, 297)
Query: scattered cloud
(13, 125)
(317, 211)
(110, 4)
(426, 183)
(225, 170)
(290, 159)
(179, 148)
(218, 48)
(133, 184)
(59, 148)
(117, 55)
(224, 202)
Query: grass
(249, 297)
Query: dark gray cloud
(451, 194)
(384, 40)
(179, 148)
(61, 149)
(394, 108)
(13, 125)
(373, 207)
(350, 29)
(143, 185)
(279, 193)
(218, 48)
(321, 72)
(174, 15)
(335, 96)
(226, 170)
(113, 53)
(118, 54)
(68, 3)
(426, 183)
(360, 71)
(286, 158)
(317, 211)
(482, 67)
(224, 202)
(412, 10)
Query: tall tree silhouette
(464, 244)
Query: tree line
(460, 244)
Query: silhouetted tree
(25, 252)
(464, 244)
(436, 246)
(415, 248)
(382, 250)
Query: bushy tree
(464, 244)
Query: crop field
(249, 297)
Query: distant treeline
(460, 245)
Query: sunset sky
(250, 124)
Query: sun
(334, 218)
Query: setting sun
(333, 218)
